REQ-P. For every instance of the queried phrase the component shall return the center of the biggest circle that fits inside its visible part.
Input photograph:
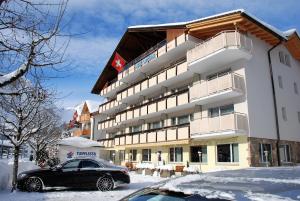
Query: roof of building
(139, 38)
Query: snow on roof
(272, 28)
(79, 142)
(92, 105)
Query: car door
(89, 172)
(67, 174)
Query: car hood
(36, 171)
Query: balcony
(155, 136)
(158, 56)
(82, 133)
(112, 88)
(169, 104)
(84, 117)
(110, 107)
(221, 88)
(222, 49)
(166, 78)
(229, 125)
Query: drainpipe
(275, 101)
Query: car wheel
(33, 184)
(105, 183)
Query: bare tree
(22, 116)
(30, 37)
(48, 136)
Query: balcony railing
(157, 106)
(79, 132)
(226, 39)
(155, 81)
(84, 117)
(108, 106)
(112, 85)
(159, 135)
(234, 122)
(230, 81)
(150, 55)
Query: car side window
(71, 164)
(89, 164)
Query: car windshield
(160, 195)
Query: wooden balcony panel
(171, 134)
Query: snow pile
(174, 185)
(6, 170)
(165, 167)
(145, 166)
(191, 169)
(79, 142)
(4, 175)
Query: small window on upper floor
(281, 57)
(280, 82)
(295, 88)
(283, 111)
(284, 58)
(287, 60)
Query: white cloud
(89, 55)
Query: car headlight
(22, 175)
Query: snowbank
(165, 167)
(6, 167)
(4, 175)
(145, 166)
(79, 142)
(192, 169)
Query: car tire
(105, 183)
(34, 184)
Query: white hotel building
(222, 90)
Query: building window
(132, 154)
(219, 111)
(197, 152)
(285, 154)
(146, 155)
(299, 117)
(122, 155)
(112, 155)
(134, 129)
(283, 111)
(287, 60)
(265, 151)
(284, 59)
(228, 153)
(281, 57)
(176, 154)
(173, 121)
(220, 74)
(280, 82)
(295, 88)
(183, 119)
(156, 125)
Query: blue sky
(100, 25)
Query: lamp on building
(200, 159)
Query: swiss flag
(118, 62)
(75, 115)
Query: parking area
(137, 182)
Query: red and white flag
(118, 63)
(75, 115)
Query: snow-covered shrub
(191, 169)
(145, 166)
(165, 167)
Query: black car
(245, 185)
(75, 173)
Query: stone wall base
(254, 154)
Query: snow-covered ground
(137, 182)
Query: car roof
(245, 184)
